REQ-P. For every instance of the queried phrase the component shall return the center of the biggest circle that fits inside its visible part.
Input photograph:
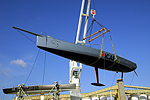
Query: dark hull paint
(86, 55)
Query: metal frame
(73, 64)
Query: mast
(75, 70)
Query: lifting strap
(100, 55)
(115, 60)
(113, 47)
(106, 30)
(103, 28)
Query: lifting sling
(105, 31)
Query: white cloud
(19, 62)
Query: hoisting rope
(105, 31)
(91, 26)
(100, 55)
(35, 58)
(44, 65)
(110, 39)
(103, 28)
(32, 67)
(113, 47)
(26, 37)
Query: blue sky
(128, 21)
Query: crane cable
(94, 4)
(35, 59)
(44, 64)
(32, 67)
(110, 39)
(26, 37)
(91, 26)
(113, 47)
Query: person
(23, 84)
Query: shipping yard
(117, 92)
